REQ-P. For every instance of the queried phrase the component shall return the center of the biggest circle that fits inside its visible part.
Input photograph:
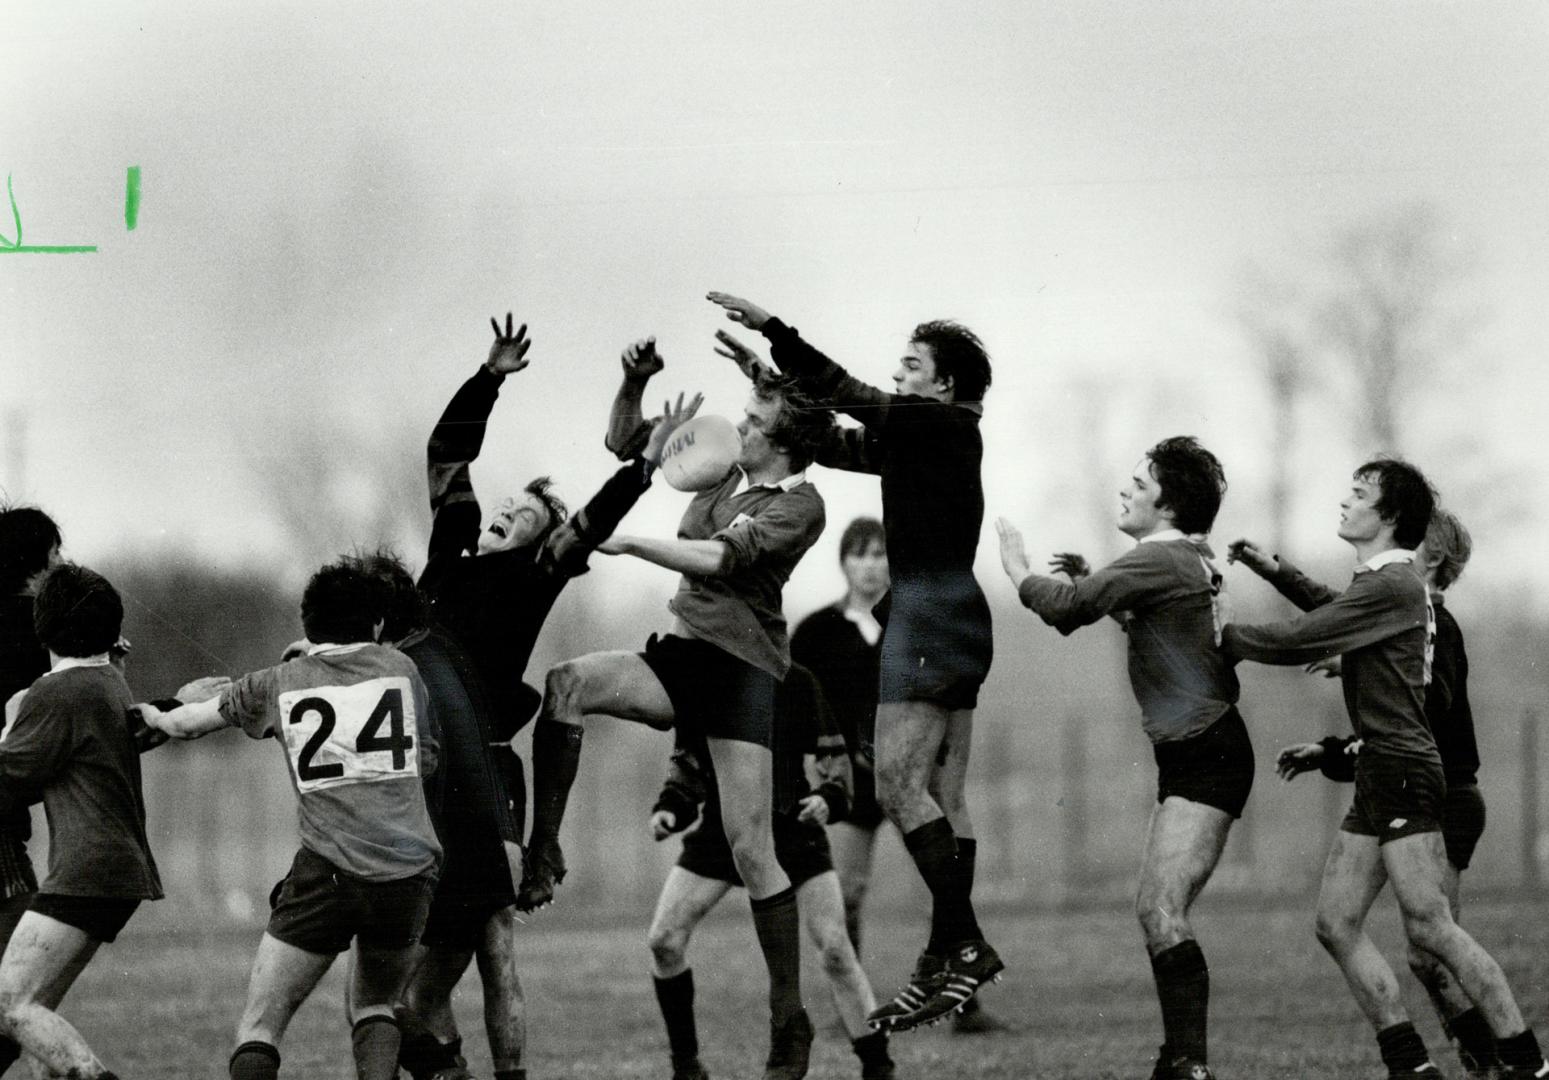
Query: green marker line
(132, 197)
(50, 249)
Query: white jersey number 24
(350, 734)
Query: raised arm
(1290, 582)
(1367, 612)
(458, 436)
(628, 430)
(1067, 606)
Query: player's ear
(949, 384)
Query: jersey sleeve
(455, 442)
(1130, 581)
(569, 546)
(827, 382)
(36, 745)
(252, 703)
(787, 525)
(1300, 589)
(853, 449)
(1371, 610)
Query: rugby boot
(970, 967)
(928, 973)
(688, 1068)
(971, 1019)
(543, 867)
(790, 1048)
(1188, 1069)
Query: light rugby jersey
(354, 722)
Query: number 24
(389, 709)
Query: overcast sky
(337, 197)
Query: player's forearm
(626, 417)
(825, 380)
(1297, 587)
(1062, 605)
(190, 721)
(697, 558)
(458, 436)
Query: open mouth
(498, 528)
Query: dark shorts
(12, 908)
(936, 645)
(100, 917)
(712, 692)
(320, 908)
(802, 851)
(1395, 798)
(1214, 767)
(1462, 823)
(475, 883)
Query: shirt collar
(329, 647)
(65, 663)
(781, 485)
(1392, 555)
(1165, 534)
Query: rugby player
(1382, 628)
(354, 723)
(924, 441)
(804, 729)
(72, 747)
(1166, 590)
(714, 675)
(1443, 554)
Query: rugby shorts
(713, 693)
(319, 908)
(100, 917)
(1462, 822)
(475, 883)
(936, 642)
(801, 850)
(11, 910)
(1214, 767)
(1395, 797)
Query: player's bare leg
(282, 977)
(378, 984)
(685, 900)
(852, 847)
(1183, 846)
(505, 1009)
(616, 683)
(431, 1041)
(1459, 1017)
(42, 959)
(823, 917)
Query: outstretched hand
(745, 358)
(641, 360)
(508, 354)
(739, 310)
(1013, 551)
(672, 418)
(1251, 555)
(1070, 564)
(1295, 760)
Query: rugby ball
(700, 452)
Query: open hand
(672, 418)
(202, 689)
(1070, 564)
(509, 352)
(1013, 551)
(739, 310)
(641, 360)
(746, 359)
(1251, 555)
(1295, 760)
(814, 810)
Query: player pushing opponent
(924, 442)
(1165, 593)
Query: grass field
(1078, 989)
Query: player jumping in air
(1382, 627)
(1165, 593)
(804, 727)
(714, 675)
(1444, 554)
(353, 721)
(924, 442)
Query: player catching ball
(924, 443)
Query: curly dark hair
(76, 611)
(958, 354)
(803, 425)
(1406, 498)
(341, 604)
(27, 536)
(401, 606)
(543, 488)
(1191, 480)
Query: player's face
(54, 560)
(916, 374)
(1358, 518)
(865, 571)
(517, 521)
(759, 418)
(1138, 513)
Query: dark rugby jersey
(22, 660)
(927, 452)
(1169, 588)
(71, 747)
(767, 529)
(1381, 627)
(495, 605)
(831, 646)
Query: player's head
(863, 557)
(401, 604)
(524, 520)
(1445, 550)
(1177, 485)
(342, 604)
(29, 545)
(946, 361)
(76, 611)
(780, 421)
(1387, 493)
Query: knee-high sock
(779, 935)
(1402, 1048)
(934, 851)
(556, 754)
(1476, 1043)
(255, 1061)
(676, 998)
(1183, 988)
(375, 1041)
(967, 928)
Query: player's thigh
(744, 776)
(852, 847)
(950, 774)
(381, 973)
(615, 683)
(1353, 875)
(909, 738)
(43, 955)
(1182, 849)
(1417, 867)
(686, 898)
(283, 975)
